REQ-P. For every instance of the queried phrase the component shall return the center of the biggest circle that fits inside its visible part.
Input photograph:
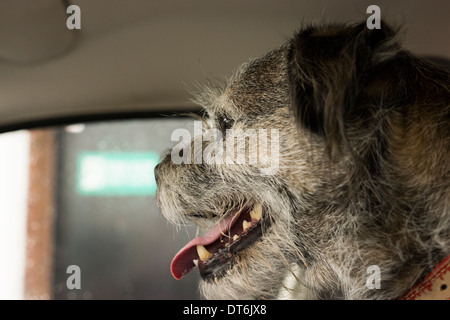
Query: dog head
(326, 156)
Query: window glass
(79, 214)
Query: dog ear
(328, 67)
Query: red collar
(436, 286)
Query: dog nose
(156, 172)
(159, 168)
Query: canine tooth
(256, 212)
(246, 225)
(195, 261)
(235, 237)
(203, 254)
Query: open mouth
(213, 253)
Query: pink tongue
(183, 263)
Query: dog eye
(225, 122)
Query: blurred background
(85, 115)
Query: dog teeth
(235, 237)
(203, 254)
(195, 261)
(256, 212)
(246, 225)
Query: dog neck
(435, 286)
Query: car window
(78, 208)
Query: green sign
(116, 173)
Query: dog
(362, 177)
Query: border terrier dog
(362, 179)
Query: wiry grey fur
(363, 173)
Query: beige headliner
(143, 55)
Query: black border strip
(240, 309)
